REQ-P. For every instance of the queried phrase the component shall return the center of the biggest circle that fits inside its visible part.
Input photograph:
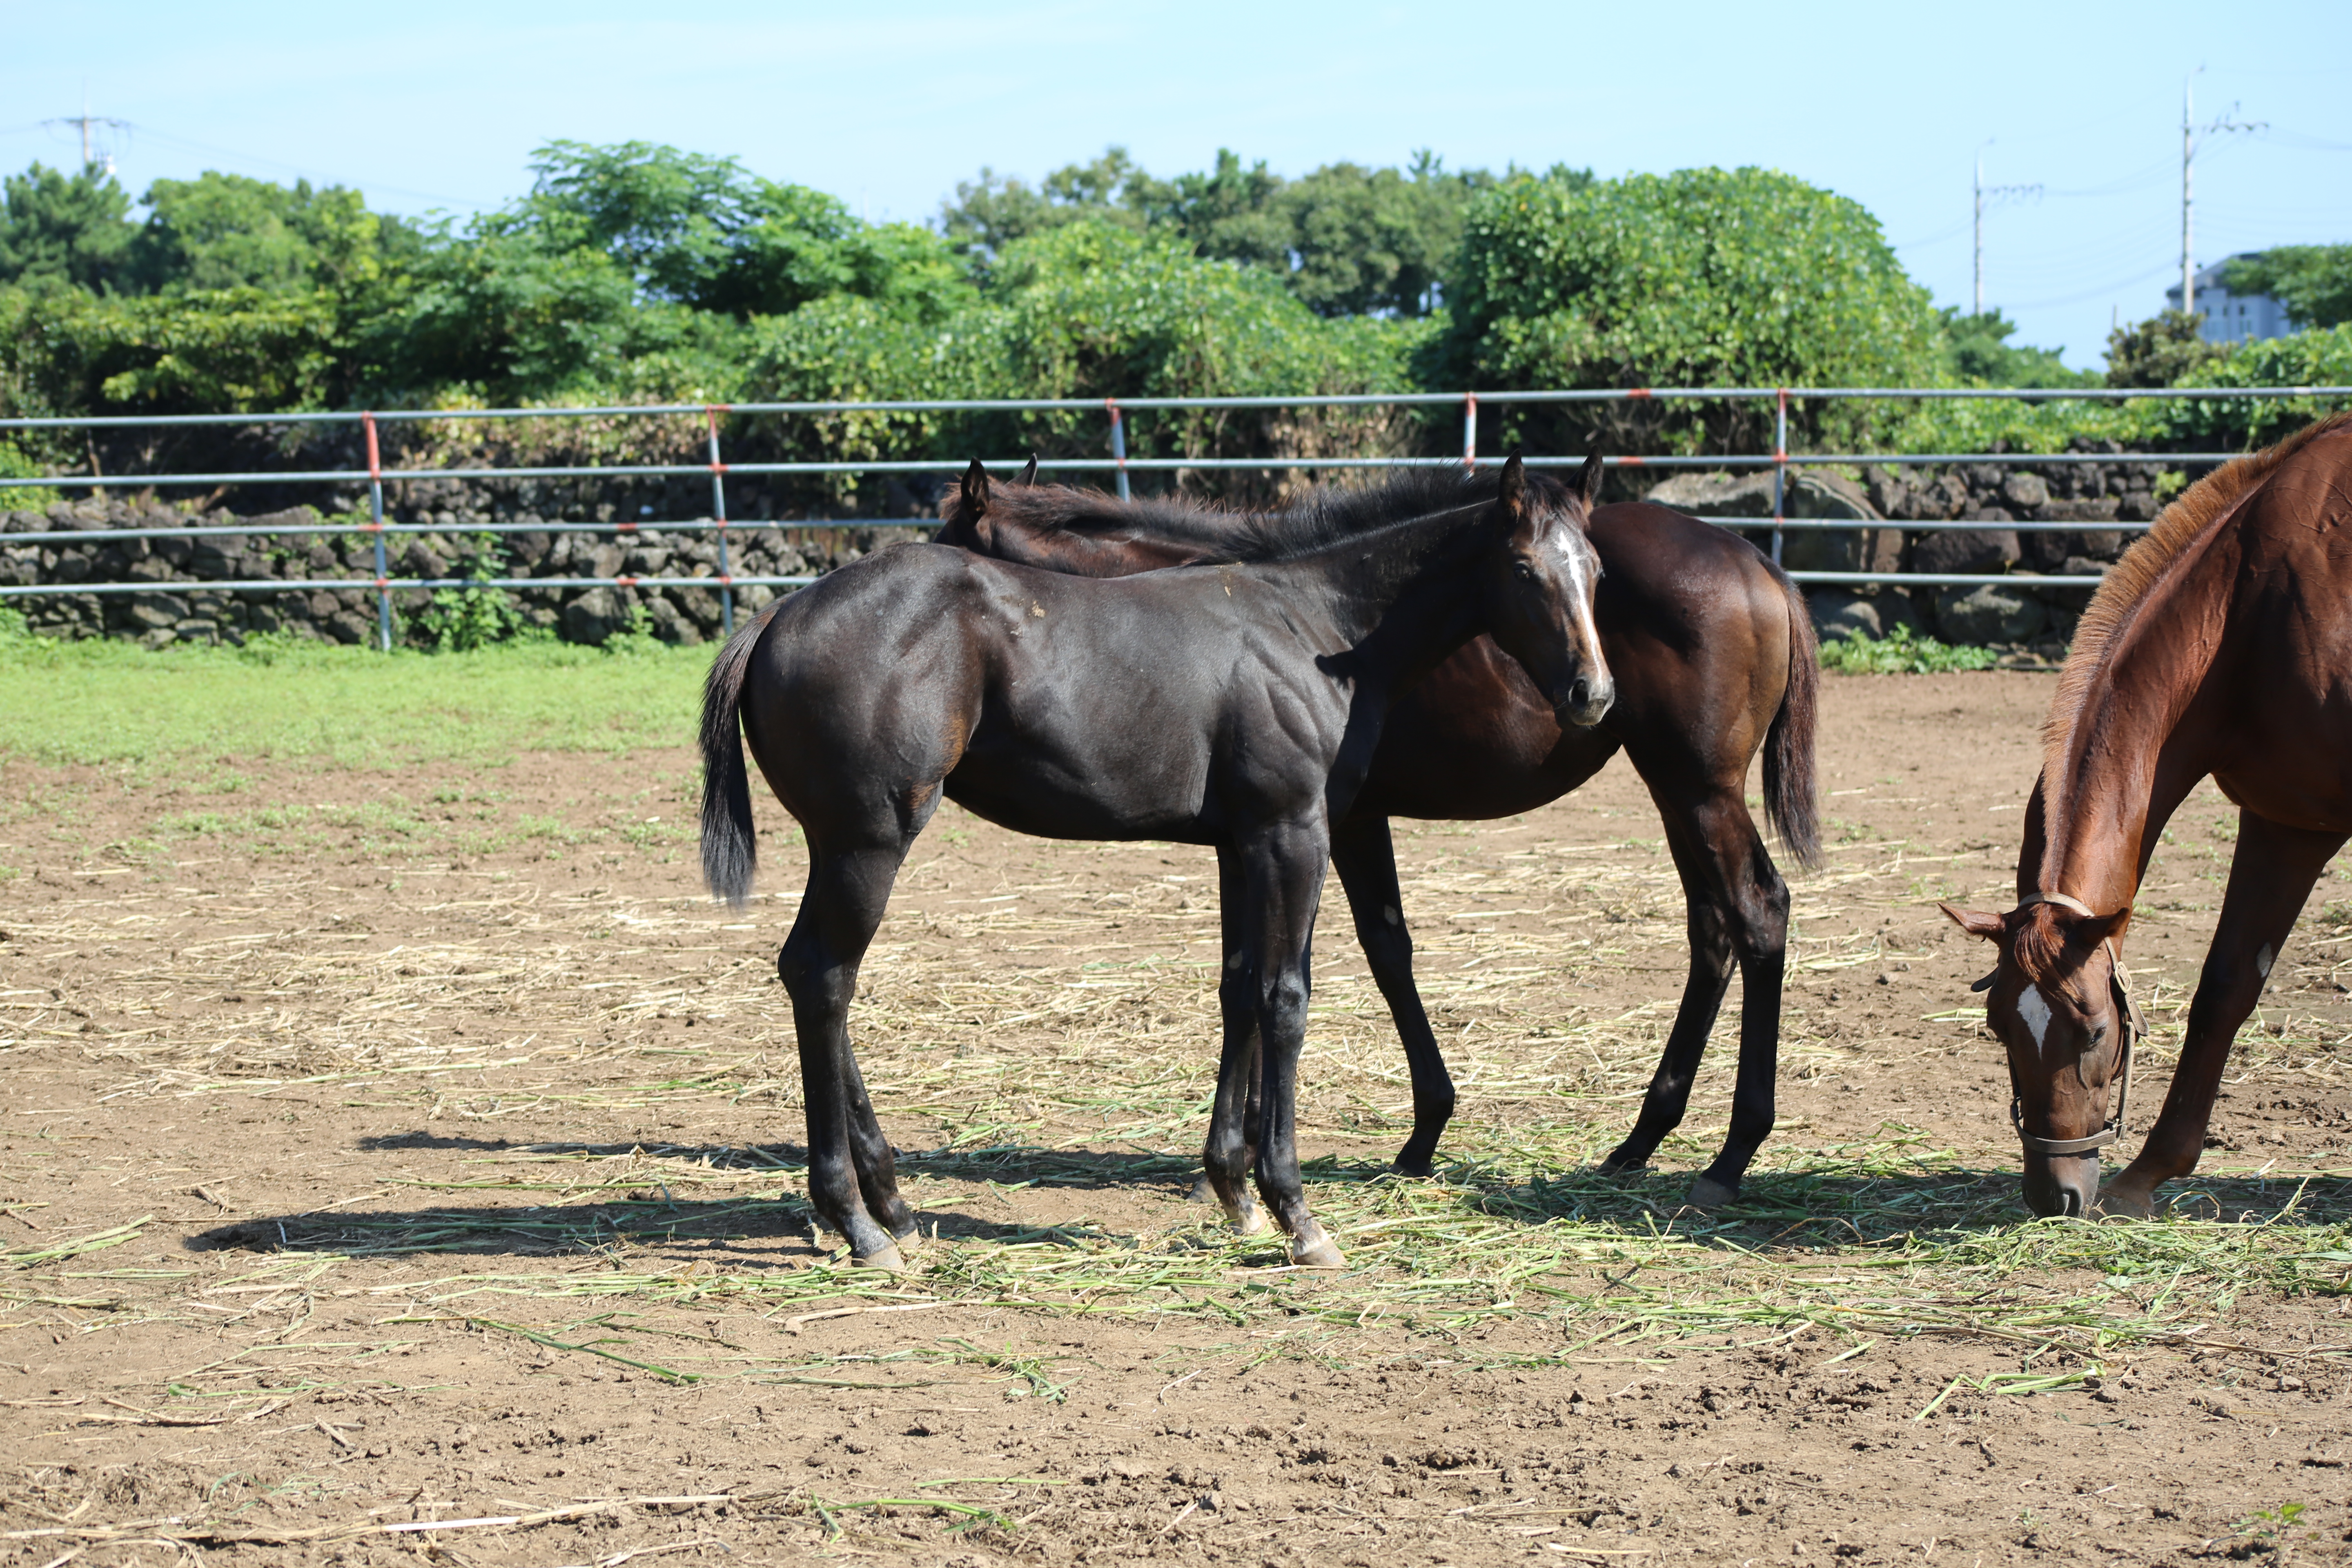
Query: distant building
(2232, 318)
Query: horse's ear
(1029, 474)
(1512, 494)
(1588, 481)
(975, 491)
(1969, 920)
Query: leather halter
(2127, 1017)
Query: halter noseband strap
(2128, 1016)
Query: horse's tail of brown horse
(729, 853)
(1791, 792)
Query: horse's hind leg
(875, 1162)
(1364, 854)
(840, 909)
(1739, 906)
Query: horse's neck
(1400, 600)
(2126, 763)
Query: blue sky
(431, 103)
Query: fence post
(718, 516)
(375, 521)
(1780, 470)
(1469, 432)
(1118, 443)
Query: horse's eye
(1521, 570)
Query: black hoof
(1707, 1193)
(1418, 1167)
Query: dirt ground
(409, 1149)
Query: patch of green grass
(107, 702)
(1900, 653)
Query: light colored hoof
(1318, 1253)
(2127, 1203)
(1247, 1222)
(886, 1259)
(1707, 1193)
(1201, 1192)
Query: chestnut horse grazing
(1236, 706)
(1714, 659)
(2221, 645)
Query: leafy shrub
(1706, 277)
(1900, 652)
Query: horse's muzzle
(1588, 701)
(2065, 1187)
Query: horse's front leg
(2270, 875)
(1364, 854)
(1234, 1116)
(1283, 867)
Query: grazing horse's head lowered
(2056, 999)
(1542, 586)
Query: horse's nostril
(2070, 1203)
(1581, 692)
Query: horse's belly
(1095, 792)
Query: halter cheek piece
(2128, 1016)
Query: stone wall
(2011, 613)
(680, 615)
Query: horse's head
(1032, 533)
(1540, 597)
(965, 517)
(2056, 999)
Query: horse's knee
(1282, 997)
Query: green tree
(1380, 241)
(1706, 277)
(639, 266)
(60, 228)
(1977, 351)
(995, 210)
(226, 231)
(2313, 282)
(2163, 351)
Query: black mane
(1328, 516)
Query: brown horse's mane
(1330, 516)
(2128, 582)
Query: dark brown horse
(1713, 655)
(1235, 705)
(2221, 645)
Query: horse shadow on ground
(1813, 1210)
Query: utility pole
(85, 120)
(2189, 134)
(1998, 194)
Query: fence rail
(1116, 463)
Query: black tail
(730, 853)
(1791, 792)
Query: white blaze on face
(1576, 555)
(2035, 1012)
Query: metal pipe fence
(1117, 463)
